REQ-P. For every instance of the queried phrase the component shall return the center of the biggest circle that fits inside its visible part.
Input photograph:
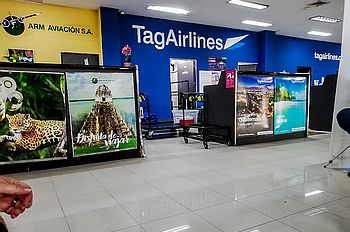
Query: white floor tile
(86, 203)
(175, 185)
(340, 207)
(43, 189)
(199, 198)
(75, 184)
(317, 220)
(239, 190)
(186, 222)
(274, 205)
(132, 229)
(154, 209)
(102, 220)
(272, 227)
(135, 193)
(331, 185)
(54, 225)
(232, 216)
(309, 196)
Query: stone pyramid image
(103, 119)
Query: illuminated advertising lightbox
(290, 104)
(255, 95)
(32, 116)
(102, 112)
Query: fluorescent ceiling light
(254, 5)
(319, 33)
(168, 9)
(313, 193)
(256, 23)
(325, 19)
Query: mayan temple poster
(102, 112)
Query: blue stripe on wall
(110, 29)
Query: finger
(14, 189)
(27, 200)
(24, 185)
(16, 213)
(20, 205)
(5, 203)
(9, 210)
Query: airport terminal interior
(174, 116)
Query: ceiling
(287, 16)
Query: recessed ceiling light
(319, 33)
(168, 9)
(254, 5)
(325, 19)
(256, 23)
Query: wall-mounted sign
(326, 56)
(217, 63)
(14, 25)
(190, 39)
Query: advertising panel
(290, 104)
(208, 78)
(230, 79)
(217, 63)
(32, 116)
(255, 97)
(102, 112)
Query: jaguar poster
(290, 104)
(102, 112)
(32, 116)
(255, 97)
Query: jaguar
(30, 134)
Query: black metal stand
(204, 134)
(336, 157)
(150, 129)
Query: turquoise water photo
(290, 116)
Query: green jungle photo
(42, 101)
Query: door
(182, 79)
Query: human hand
(15, 196)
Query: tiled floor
(273, 187)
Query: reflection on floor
(274, 187)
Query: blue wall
(286, 53)
(110, 30)
(272, 52)
(154, 64)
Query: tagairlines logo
(185, 40)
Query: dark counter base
(271, 138)
(17, 167)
